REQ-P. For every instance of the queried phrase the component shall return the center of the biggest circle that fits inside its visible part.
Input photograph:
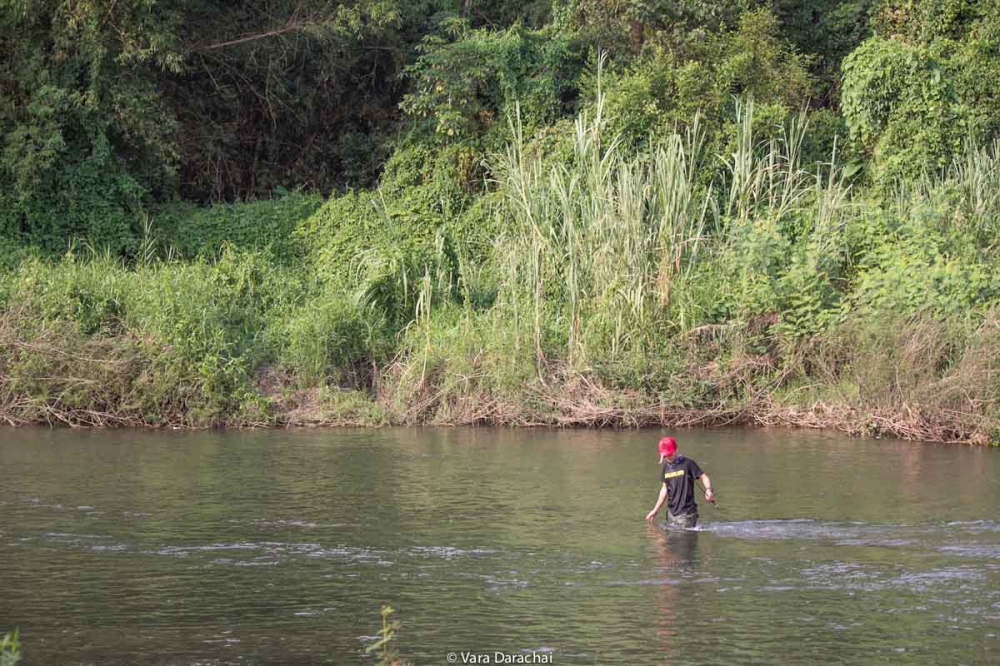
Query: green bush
(915, 269)
(93, 201)
(923, 85)
(422, 220)
(467, 82)
(665, 89)
(332, 339)
(193, 232)
(12, 253)
(189, 336)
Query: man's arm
(659, 502)
(709, 496)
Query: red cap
(668, 447)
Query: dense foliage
(507, 211)
(927, 81)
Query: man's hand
(659, 502)
(706, 485)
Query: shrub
(167, 343)
(925, 83)
(333, 339)
(194, 232)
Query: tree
(86, 133)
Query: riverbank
(317, 413)
(908, 379)
(626, 411)
(604, 289)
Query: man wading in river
(678, 477)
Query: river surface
(279, 547)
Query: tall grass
(765, 176)
(976, 173)
(598, 243)
(616, 250)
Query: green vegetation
(384, 648)
(10, 649)
(575, 212)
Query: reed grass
(598, 243)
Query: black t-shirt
(680, 476)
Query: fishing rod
(712, 501)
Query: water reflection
(675, 554)
(675, 547)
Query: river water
(279, 547)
